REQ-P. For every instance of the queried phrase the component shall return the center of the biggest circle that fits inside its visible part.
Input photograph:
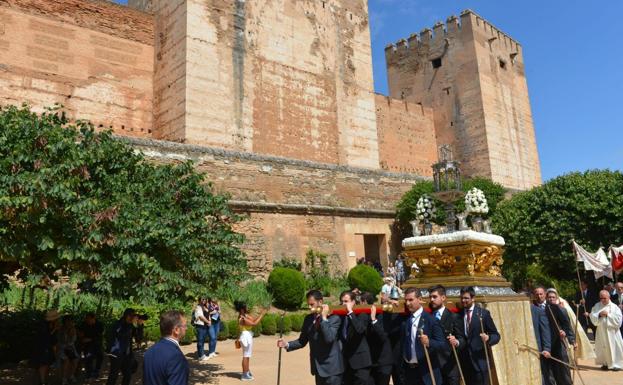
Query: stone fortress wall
(274, 101)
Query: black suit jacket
(558, 318)
(542, 330)
(475, 348)
(432, 328)
(354, 344)
(379, 341)
(451, 324)
(325, 356)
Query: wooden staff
(458, 363)
(482, 330)
(577, 270)
(575, 331)
(280, 349)
(535, 350)
(564, 342)
(430, 365)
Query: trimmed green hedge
(287, 324)
(296, 320)
(224, 333)
(365, 278)
(287, 287)
(233, 328)
(269, 324)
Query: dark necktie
(408, 347)
(469, 319)
(317, 322)
(345, 328)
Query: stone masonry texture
(274, 101)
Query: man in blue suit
(164, 363)
(420, 330)
(543, 339)
(480, 332)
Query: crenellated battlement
(469, 25)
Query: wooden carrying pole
(577, 270)
(430, 365)
(482, 330)
(458, 362)
(565, 344)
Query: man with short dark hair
(586, 298)
(453, 331)
(321, 331)
(420, 331)
(355, 349)
(164, 363)
(120, 349)
(480, 332)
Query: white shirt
(198, 315)
(414, 333)
(174, 341)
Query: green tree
(85, 203)
(539, 225)
(405, 209)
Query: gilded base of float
(468, 258)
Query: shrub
(224, 333)
(189, 337)
(296, 320)
(365, 278)
(287, 287)
(257, 330)
(253, 294)
(287, 324)
(269, 324)
(234, 329)
(290, 263)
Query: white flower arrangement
(424, 208)
(476, 202)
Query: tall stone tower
(284, 78)
(472, 75)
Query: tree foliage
(405, 209)
(539, 225)
(82, 202)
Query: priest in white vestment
(608, 341)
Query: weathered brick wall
(295, 205)
(406, 136)
(94, 57)
(483, 111)
(286, 78)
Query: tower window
(436, 62)
(502, 64)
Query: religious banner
(597, 262)
(616, 256)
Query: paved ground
(225, 369)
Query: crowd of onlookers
(72, 347)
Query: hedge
(269, 324)
(365, 278)
(296, 320)
(287, 287)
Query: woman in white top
(201, 322)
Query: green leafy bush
(254, 294)
(287, 287)
(269, 324)
(189, 337)
(257, 330)
(224, 333)
(296, 320)
(290, 263)
(287, 324)
(234, 329)
(365, 278)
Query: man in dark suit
(561, 336)
(586, 298)
(453, 331)
(120, 353)
(480, 333)
(379, 342)
(164, 363)
(420, 331)
(321, 332)
(355, 349)
(543, 339)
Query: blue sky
(574, 63)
